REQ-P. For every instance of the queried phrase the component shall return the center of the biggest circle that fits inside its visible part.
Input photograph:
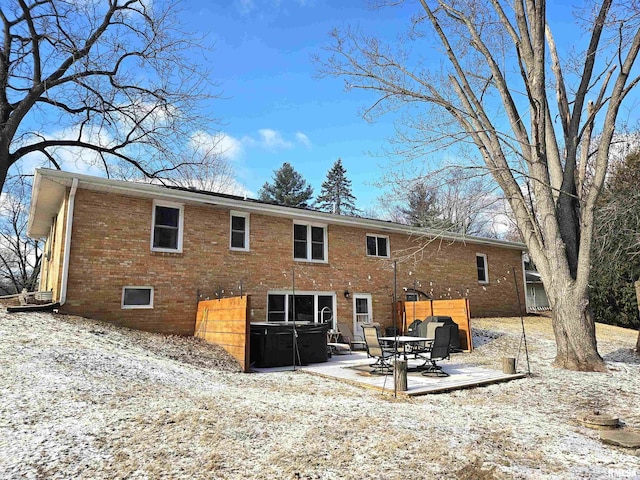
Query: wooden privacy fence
(225, 322)
(457, 309)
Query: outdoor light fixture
(347, 294)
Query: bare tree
(449, 200)
(499, 82)
(20, 256)
(205, 166)
(108, 82)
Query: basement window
(137, 297)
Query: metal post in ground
(524, 335)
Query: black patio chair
(426, 330)
(437, 350)
(455, 331)
(376, 350)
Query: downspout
(67, 242)
(524, 282)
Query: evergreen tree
(421, 209)
(288, 188)
(616, 247)
(335, 195)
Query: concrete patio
(352, 368)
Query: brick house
(140, 255)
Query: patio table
(405, 340)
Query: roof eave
(161, 192)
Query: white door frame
(357, 329)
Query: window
(275, 308)
(377, 246)
(167, 227)
(362, 309)
(483, 271)
(411, 297)
(362, 314)
(309, 242)
(313, 307)
(137, 297)
(239, 231)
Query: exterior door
(361, 312)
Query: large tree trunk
(574, 329)
(637, 285)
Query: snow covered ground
(82, 399)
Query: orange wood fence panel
(417, 310)
(457, 309)
(225, 322)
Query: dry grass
(83, 399)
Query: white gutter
(67, 242)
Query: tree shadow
(623, 355)
(482, 337)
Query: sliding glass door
(312, 307)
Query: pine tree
(288, 188)
(335, 195)
(422, 209)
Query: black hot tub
(272, 343)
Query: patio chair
(376, 350)
(351, 339)
(426, 330)
(455, 331)
(429, 329)
(437, 350)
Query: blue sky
(275, 108)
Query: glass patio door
(361, 312)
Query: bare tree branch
(76, 65)
(490, 87)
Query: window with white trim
(137, 297)
(310, 242)
(377, 246)
(167, 221)
(483, 269)
(239, 235)
(312, 307)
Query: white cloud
(303, 139)
(273, 140)
(245, 7)
(218, 143)
(270, 139)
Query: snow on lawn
(83, 399)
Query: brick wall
(111, 249)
